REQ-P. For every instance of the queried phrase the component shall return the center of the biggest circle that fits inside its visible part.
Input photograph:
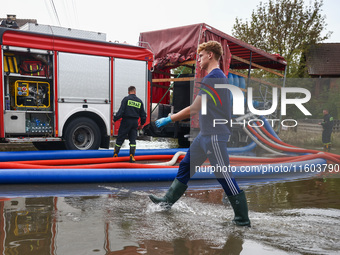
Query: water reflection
(297, 217)
(27, 226)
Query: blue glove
(163, 121)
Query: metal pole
(249, 69)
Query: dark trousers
(128, 129)
(213, 147)
(326, 136)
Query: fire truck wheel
(82, 134)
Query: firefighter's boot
(329, 147)
(325, 147)
(132, 153)
(175, 191)
(240, 207)
(116, 151)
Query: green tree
(286, 27)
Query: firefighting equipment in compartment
(33, 94)
(10, 63)
(33, 68)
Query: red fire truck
(60, 92)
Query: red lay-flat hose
(285, 144)
(233, 161)
(268, 160)
(15, 165)
(273, 137)
(121, 162)
(329, 156)
(86, 161)
(278, 147)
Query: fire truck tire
(82, 134)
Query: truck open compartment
(60, 88)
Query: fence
(312, 125)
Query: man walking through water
(212, 140)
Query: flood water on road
(288, 217)
(300, 216)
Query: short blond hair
(211, 46)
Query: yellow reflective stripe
(15, 65)
(134, 104)
(6, 69)
(10, 63)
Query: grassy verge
(309, 139)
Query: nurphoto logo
(238, 105)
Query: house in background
(12, 22)
(323, 61)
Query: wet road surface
(288, 217)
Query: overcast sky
(123, 20)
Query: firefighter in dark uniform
(327, 126)
(131, 109)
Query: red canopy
(179, 44)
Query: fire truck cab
(60, 91)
